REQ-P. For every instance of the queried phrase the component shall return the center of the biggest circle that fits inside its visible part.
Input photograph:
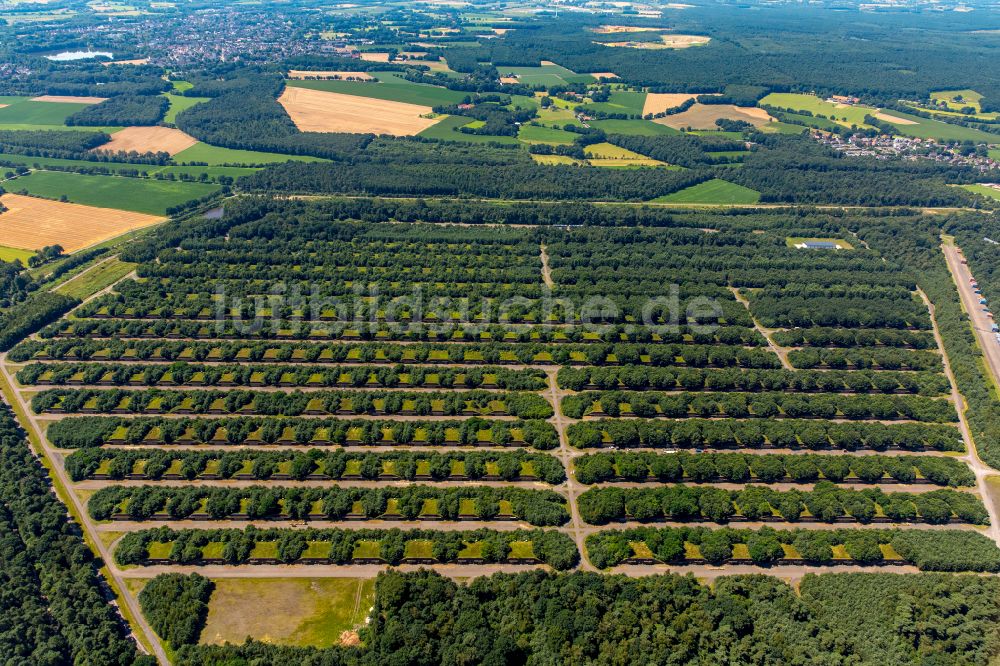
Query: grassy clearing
(389, 87)
(555, 159)
(951, 99)
(287, 611)
(178, 103)
(140, 195)
(792, 241)
(715, 191)
(12, 253)
(990, 192)
(100, 277)
(218, 156)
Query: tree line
(827, 503)
(541, 508)
(768, 468)
(95, 431)
(515, 465)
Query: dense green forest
(55, 606)
(425, 619)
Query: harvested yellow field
(615, 29)
(604, 75)
(433, 65)
(322, 111)
(149, 140)
(374, 57)
(68, 99)
(703, 116)
(328, 74)
(659, 102)
(894, 119)
(548, 63)
(508, 79)
(554, 159)
(4, 106)
(30, 223)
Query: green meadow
(218, 156)
(715, 191)
(140, 195)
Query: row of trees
(266, 403)
(357, 376)
(442, 332)
(778, 434)
(769, 468)
(886, 359)
(637, 378)
(929, 550)
(847, 337)
(95, 431)
(827, 502)
(156, 464)
(765, 405)
(343, 546)
(254, 351)
(542, 508)
(34, 312)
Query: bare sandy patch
(135, 61)
(149, 140)
(68, 99)
(604, 75)
(547, 63)
(328, 74)
(684, 41)
(893, 119)
(500, 31)
(616, 29)
(703, 116)
(30, 223)
(374, 57)
(322, 111)
(4, 106)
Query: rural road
(981, 323)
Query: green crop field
(178, 103)
(634, 127)
(927, 128)
(544, 75)
(620, 102)
(715, 191)
(26, 112)
(550, 135)
(12, 253)
(218, 156)
(141, 195)
(446, 130)
(98, 278)
(389, 87)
